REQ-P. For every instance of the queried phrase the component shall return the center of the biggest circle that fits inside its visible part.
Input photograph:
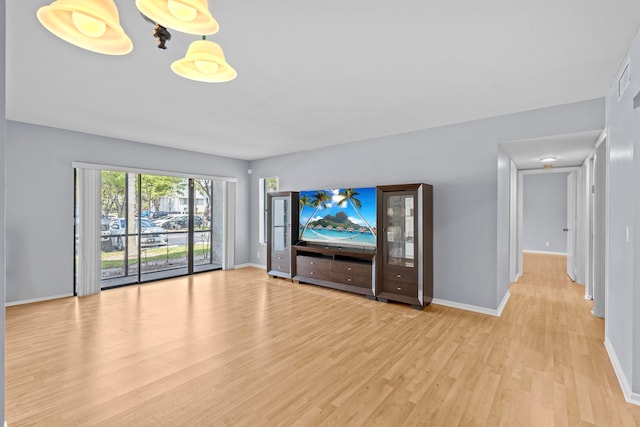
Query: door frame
(571, 228)
(520, 208)
(600, 307)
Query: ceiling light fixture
(95, 25)
(186, 16)
(204, 62)
(549, 159)
(91, 25)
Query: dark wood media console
(398, 268)
(345, 268)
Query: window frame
(228, 211)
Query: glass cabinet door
(400, 229)
(280, 223)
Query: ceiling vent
(624, 79)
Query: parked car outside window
(176, 222)
(158, 214)
(105, 235)
(150, 234)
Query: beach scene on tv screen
(342, 216)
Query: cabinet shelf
(282, 231)
(343, 268)
(336, 251)
(405, 246)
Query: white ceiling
(569, 150)
(321, 73)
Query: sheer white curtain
(229, 221)
(89, 222)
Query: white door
(589, 257)
(571, 225)
(513, 222)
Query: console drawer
(400, 274)
(316, 267)
(350, 267)
(351, 273)
(278, 256)
(351, 279)
(280, 265)
(400, 288)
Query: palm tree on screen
(305, 201)
(318, 200)
(350, 195)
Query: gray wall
(40, 199)
(503, 214)
(461, 162)
(2, 198)
(544, 212)
(623, 286)
(635, 352)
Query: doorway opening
(585, 181)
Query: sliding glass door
(158, 226)
(207, 236)
(164, 214)
(119, 256)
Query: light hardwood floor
(239, 348)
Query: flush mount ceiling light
(95, 25)
(204, 62)
(549, 159)
(92, 25)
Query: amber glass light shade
(187, 16)
(90, 24)
(204, 62)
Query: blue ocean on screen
(342, 216)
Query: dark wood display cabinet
(346, 268)
(282, 232)
(405, 244)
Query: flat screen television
(339, 216)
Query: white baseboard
(250, 264)
(468, 307)
(629, 395)
(503, 303)
(29, 301)
(545, 252)
(491, 312)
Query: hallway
(556, 359)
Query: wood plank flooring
(237, 348)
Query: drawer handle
(312, 273)
(349, 268)
(349, 279)
(399, 288)
(311, 263)
(399, 276)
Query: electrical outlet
(258, 254)
(546, 244)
